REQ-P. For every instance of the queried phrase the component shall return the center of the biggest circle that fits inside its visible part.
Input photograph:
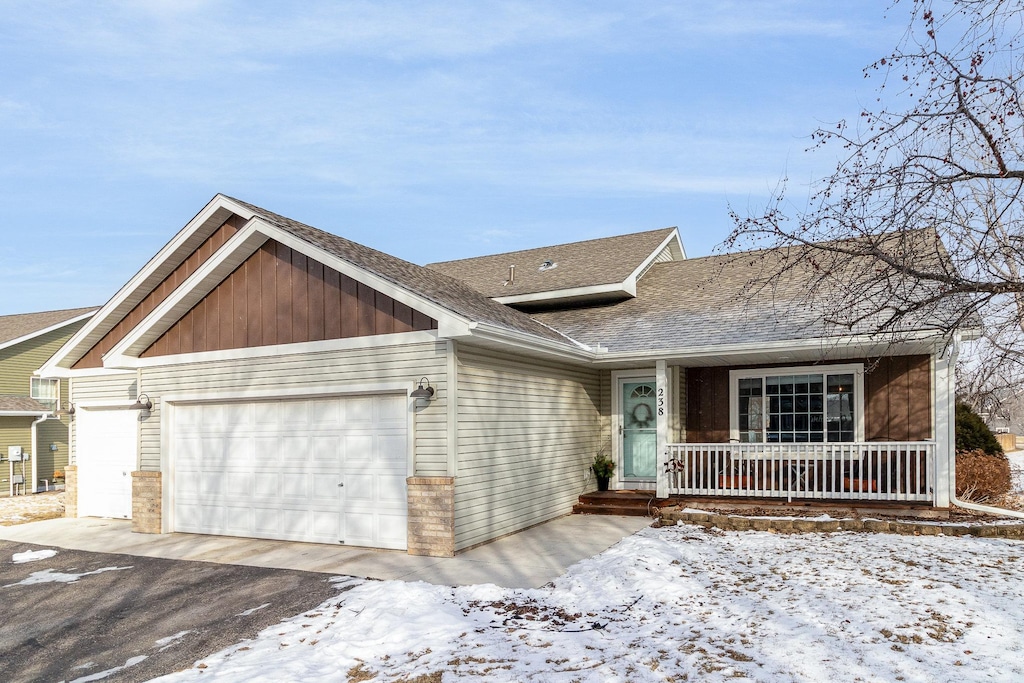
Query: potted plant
(603, 467)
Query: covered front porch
(869, 430)
(860, 471)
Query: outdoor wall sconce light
(139, 404)
(71, 409)
(423, 392)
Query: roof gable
(605, 268)
(279, 296)
(22, 327)
(222, 237)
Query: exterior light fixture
(423, 392)
(139, 404)
(71, 409)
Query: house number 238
(661, 401)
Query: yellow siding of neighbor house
(17, 363)
(528, 431)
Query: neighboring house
(29, 417)
(259, 377)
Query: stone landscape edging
(739, 523)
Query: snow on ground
(21, 509)
(673, 604)
(32, 555)
(51, 576)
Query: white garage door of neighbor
(106, 447)
(327, 470)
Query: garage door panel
(325, 488)
(391, 489)
(359, 488)
(327, 413)
(392, 409)
(392, 447)
(359, 412)
(282, 469)
(358, 447)
(391, 529)
(326, 448)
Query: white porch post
(945, 440)
(664, 404)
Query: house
(33, 433)
(259, 377)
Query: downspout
(976, 507)
(35, 473)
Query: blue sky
(432, 131)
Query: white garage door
(106, 443)
(329, 470)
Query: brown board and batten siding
(93, 358)
(280, 296)
(336, 369)
(527, 434)
(897, 400)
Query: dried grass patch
(981, 477)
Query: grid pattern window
(807, 407)
(44, 391)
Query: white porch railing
(886, 471)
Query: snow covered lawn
(22, 509)
(675, 604)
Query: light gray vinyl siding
(606, 412)
(294, 371)
(527, 434)
(120, 387)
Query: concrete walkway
(528, 559)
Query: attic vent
(547, 265)
(511, 276)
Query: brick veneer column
(431, 516)
(147, 503)
(71, 491)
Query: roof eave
(46, 330)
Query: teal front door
(639, 425)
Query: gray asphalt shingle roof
(20, 404)
(604, 261)
(22, 324)
(447, 292)
(716, 300)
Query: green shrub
(973, 434)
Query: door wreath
(642, 415)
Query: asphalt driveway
(77, 614)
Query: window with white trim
(817, 404)
(44, 391)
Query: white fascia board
(572, 293)
(235, 251)
(349, 343)
(451, 324)
(142, 283)
(867, 343)
(39, 333)
(66, 373)
(23, 413)
(528, 343)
